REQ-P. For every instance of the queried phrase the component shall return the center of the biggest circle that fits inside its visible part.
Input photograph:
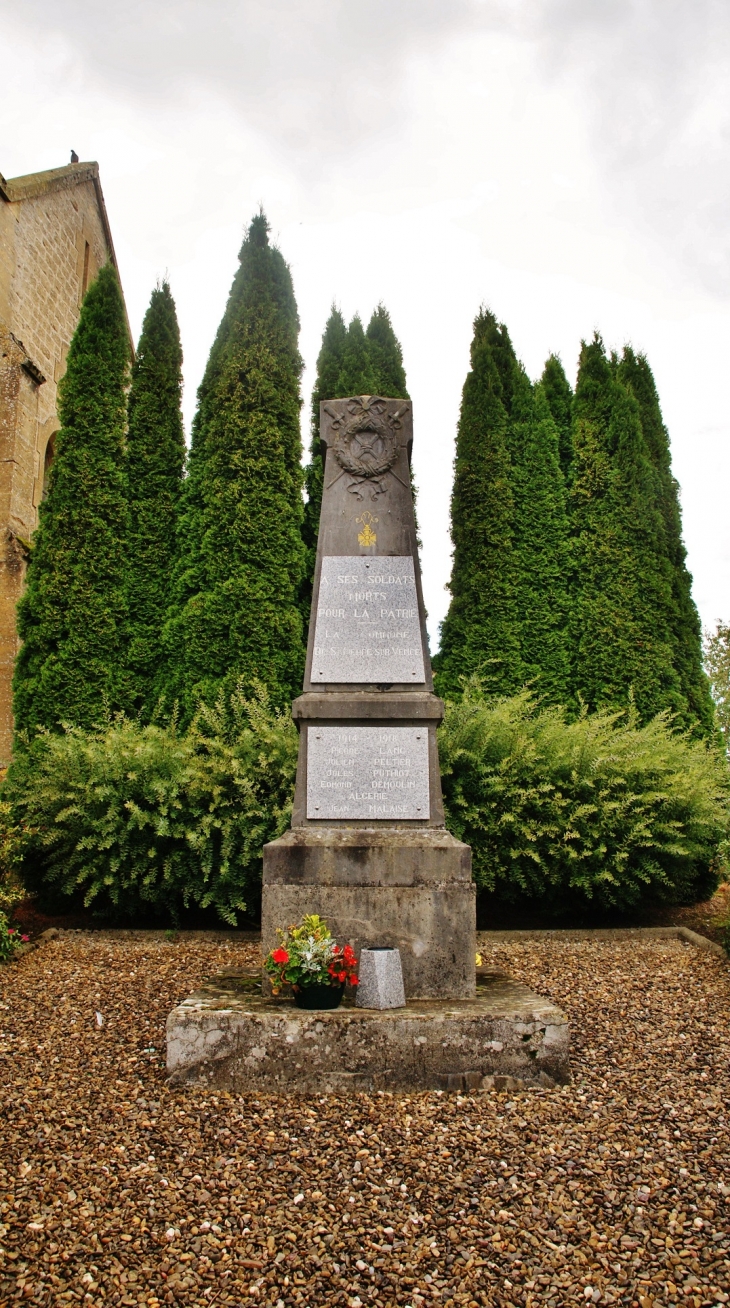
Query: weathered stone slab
(370, 856)
(227, 1036)
(367, 626)
(369, 705)
(377, 773)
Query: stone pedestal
(229, 1037)
(411, 890)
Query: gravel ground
(116, 1189)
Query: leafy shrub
(147, 817)
(596, 811)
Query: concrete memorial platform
(229, 1036)
(368, 849)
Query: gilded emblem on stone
(367, 536)
(366, 445)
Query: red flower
(25, 939)
(349, 954)
(354, 981)
(280, 956)
(342, 976)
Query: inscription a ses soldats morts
(367, 626)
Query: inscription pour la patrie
(367, 626)
(368, 772)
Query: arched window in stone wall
(47, 461)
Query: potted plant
(312, 963)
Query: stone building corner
(54, 238)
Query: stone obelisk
(367, 848)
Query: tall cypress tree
(72, 616)
(350, 362)
(621, 626)
(236, 614)
(155, 459)
(559, 396)
(541, 543)
(386, 356)
(358, 374)
(329, 367)
(634, 372)
(515, 564)
(480, 631)
(390, 375)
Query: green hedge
(595, 812)
(130, 818)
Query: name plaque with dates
(367, 772)
(367, 627)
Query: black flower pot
(319, 996)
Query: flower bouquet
(310, 961)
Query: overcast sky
(563, 161)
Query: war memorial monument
(368, 849)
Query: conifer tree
(350, 362)
(529, 555)
(621, 629)
(386, 356)
(390, 375)
(635, 373)
(329, 367)
(236, 614)
(72, 616)
(480, 631)
(541, 544)
(358, 374)
(155, 459)
(558, 393)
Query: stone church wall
(53, 240)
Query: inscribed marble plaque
(367, 772)
(367, 627)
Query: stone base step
(229, 1036)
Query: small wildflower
(10, 939)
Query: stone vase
(380, 979)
